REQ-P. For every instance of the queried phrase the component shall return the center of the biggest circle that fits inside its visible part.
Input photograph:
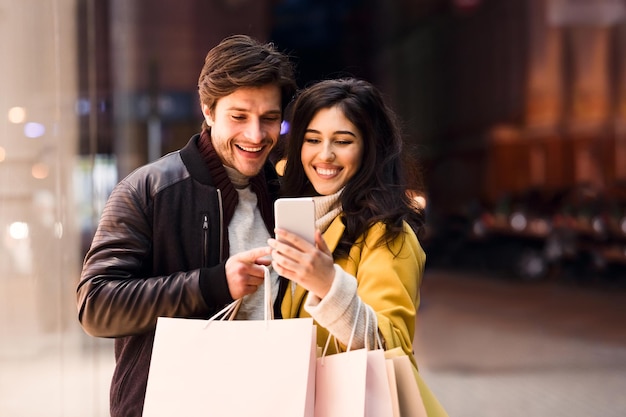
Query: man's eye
(238, 117)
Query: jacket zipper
(205, 242)
(205, 232)
(221, 228)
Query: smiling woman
(345, 150)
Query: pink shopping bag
(409, 399)
(414, 398)
(352, 384)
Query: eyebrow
(336, 132)
(244, 110)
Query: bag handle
(267, 287)
(378, 343)
(349, 346)
(227, 313)
(356, 321)
(230, 311)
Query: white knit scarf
(327, 207)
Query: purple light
(34, 130)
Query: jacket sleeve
(342, 312)
(116, 296)
(386, 286)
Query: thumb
(321, 243)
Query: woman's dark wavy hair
(378, 191)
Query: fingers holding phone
(312, 268)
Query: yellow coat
(387, 283)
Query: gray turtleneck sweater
(247, 231)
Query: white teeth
(323, 171)
(257, 149)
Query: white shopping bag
(239, 368)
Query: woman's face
(332, 151)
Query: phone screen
(296, 215)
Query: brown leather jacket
(157, 252)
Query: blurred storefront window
(48, 197)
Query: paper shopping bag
(414, 397)
(393, 387)
(352, 384)
(240, 368)
(378, 400)
(410, 402)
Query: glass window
(49, 197)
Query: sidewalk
(497, 347)
(60, 376)
(488, 347)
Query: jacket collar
(334, 232)
(195, 163)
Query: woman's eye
(311, 140)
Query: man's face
(245, 126)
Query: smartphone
(296, 215)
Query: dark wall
(450, 73)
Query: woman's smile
(332, 150)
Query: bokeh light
(18, 230)
(16, 115)
(40, 170)
(34, 130)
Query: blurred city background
(514, 112)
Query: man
(176, 236)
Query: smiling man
(245, 126)
(177, 236)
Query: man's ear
(208, 116)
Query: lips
(327, 172)
(250, 149)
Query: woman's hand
(311, 266)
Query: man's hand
(244, 272)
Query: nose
(254, 131)
(327, 153)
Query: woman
(345, 149)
